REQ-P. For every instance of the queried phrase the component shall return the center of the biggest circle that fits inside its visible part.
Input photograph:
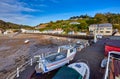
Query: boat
(112, 45)
(79, 45)
(78, 70)
(53, 61)
(113, 66)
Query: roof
(105, 25)
(102, 25)
(115, 43)
(114, 38)
(67, 73)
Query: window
(107, 31)
(109, 28)
(101, 28)
(101, 31)
(71, 50)
(63, 50)
(91, 31)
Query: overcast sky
(34, 12)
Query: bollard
(39, 64)
(42, 55)
(17, 72)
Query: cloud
(16, 18)
(12, 11)
(18, 7)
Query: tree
(100, 18)
(91, 21)
(84, 26)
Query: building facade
(72, 23)
(1, 30)
(101, 29)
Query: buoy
(26, 41)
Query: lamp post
(95, 34)
(95, 39)
(69, 40)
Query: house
(112, 45)
(9, 31)
(101, 29)
(30, 31)
(1, 31)
(72, 23)
(71, 33)
(81, 33)
(56, 31)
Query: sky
(34, 12)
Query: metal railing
(30, 62)
(20, 69)
(16, 72)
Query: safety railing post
(17, 72)
(39, 64)
(31, 61)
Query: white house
(81, 33)
(0, 31)
(74, 23)
(57, 31)
(101, 29)
(30, 31)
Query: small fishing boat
(78, 70)
(53, 61)
(113, 66)
(79, 45)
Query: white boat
(64, 55)
(79, 45)
(78, 70)
(113, 66)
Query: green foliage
(116, 26)
(80, 17)
(8, 25)
(91, 21)
(101, 18)
(84, 21)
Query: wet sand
(14, 52)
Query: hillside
(82, 22)
(7, 25)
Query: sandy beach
(14, 52)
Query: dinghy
(78, 70)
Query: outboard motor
(114, 32)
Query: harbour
(93, 54)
